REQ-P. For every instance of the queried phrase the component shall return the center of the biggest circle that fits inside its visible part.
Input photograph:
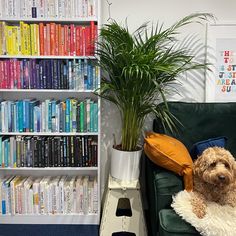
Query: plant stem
(132, 125)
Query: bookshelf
(19, 91)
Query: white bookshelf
(48, 134)
(46, 57)
(49, 171)
(50, 219)
(50, 168)
(40, 94)
(64, 20)
(46, 91)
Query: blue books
(67, 115)
(95, 108)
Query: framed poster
(221, 53)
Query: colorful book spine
(48, 39)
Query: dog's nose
(221, 177)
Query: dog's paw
(198, 205)
(199, 212)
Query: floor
(49, 230)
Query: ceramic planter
(125, 165)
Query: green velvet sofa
(200, 121)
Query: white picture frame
(220, 83)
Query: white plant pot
(125, 165)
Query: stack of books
(48, 195)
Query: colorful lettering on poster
(227, 72)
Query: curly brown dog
(214, 179)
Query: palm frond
(141, 68)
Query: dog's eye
(227, 166)
(213, 164)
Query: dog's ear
(235, 169)
(196, 166)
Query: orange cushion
(170, 153)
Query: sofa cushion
(170, 154)
(172, 225)
(199, 147)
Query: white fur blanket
(218, 221)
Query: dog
(214, 180)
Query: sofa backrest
(202, 121)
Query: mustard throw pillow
(171, 154)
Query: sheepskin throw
(218, 221)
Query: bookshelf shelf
(50, 169)
(46, 57)
(50, 219)
(45, 91)
(48, 134)
(65, 20)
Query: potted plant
(139, 70)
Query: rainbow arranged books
(46, 39)
(31, 115)
(77, 74)
(48, 151)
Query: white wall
(167, 11)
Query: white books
(48, 8)
(36, 196)
(30, 202)
(54, 195)
(1, 8)
(17, 187)
(1, 194)
(85, 194)
(48, 195)
(21, 197)
(79, 194)
(95, 195)
(44, 195)
(69, 193)
(13, 184)
(90, 196)
(61, 208)
(27, 196)
(6, 196)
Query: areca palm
(140, 69)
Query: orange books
(57, 39)
(48, 39)
(41, 38)
(44, 40)
(67, 41)
(62, 41)
(52, 38)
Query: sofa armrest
(160, 186)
